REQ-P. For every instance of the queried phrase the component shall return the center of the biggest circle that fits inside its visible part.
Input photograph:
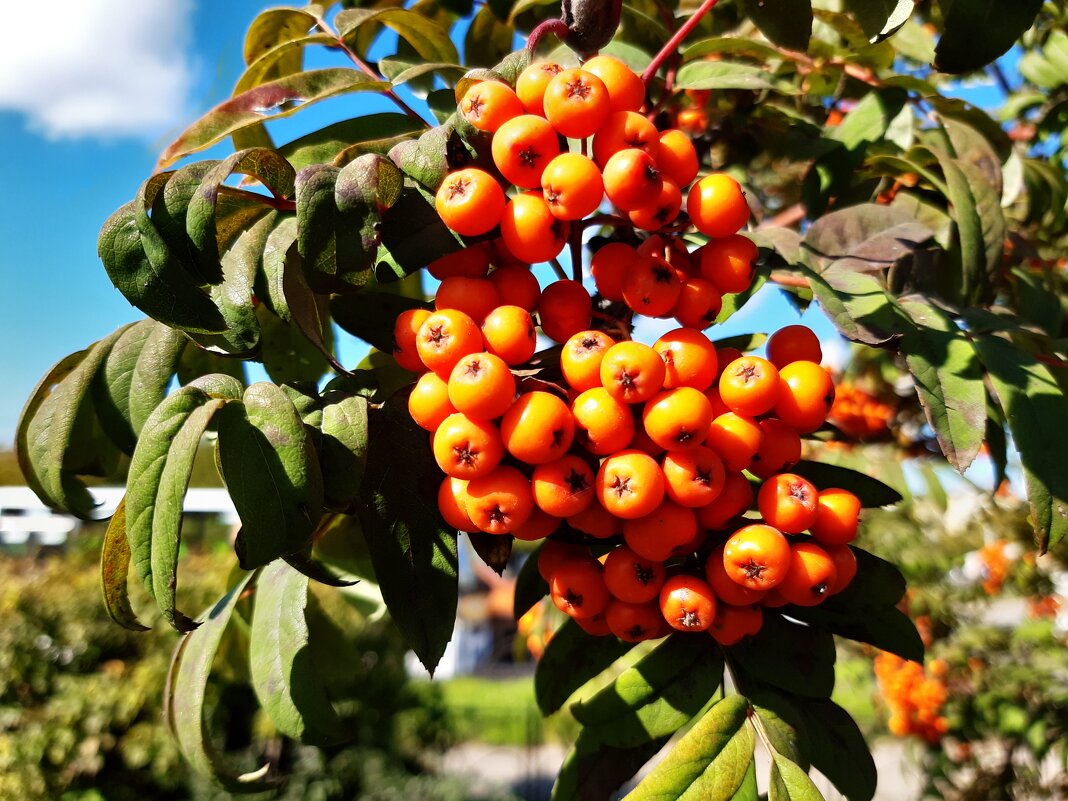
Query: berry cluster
(915, 699)
(859, 414)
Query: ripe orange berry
(630, 484)
(521, 149)
(677, 419)
(676, 157)
(699, 304)
(596, 626)
(749, 385)
(725, 588)
(687, 603)
(516, 286)
(845, 566)
(580, 359)
(475, 297)
(481, 386)
(651, 287)
(626, 92)
(576, 103)
(717, 206)
(563, 487)
(452, 503)
(552, 554)
(794, 343)
(732, 501)
(837, 515)
(538, 428)
(632, 372)
(530, 230)
(428, 403)
(733, 623)
(693, 477)
(405, 336)
(603, 424)
(788, 502)
(487, 105)
(780, 448)
(728, 263)
(577, 588)
(631, 177)
(632, 578)
(811, 576)
(445, 337)
(470, 201)
(500, 501)
(689, 359)
(622, 130)
(757, 557)
(610, 265)
(565, 309)
(572, 186)
(596, 521)
(538, 526)
(806, 393)
(661, 211)
(662, 533)
(508, 332)
(466, 448)
(530, 86)
(736, 438)
(634, 622)
(692, 120)
(471, 262)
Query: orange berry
(692, 120)
(677, 419)
(733, 623)
(508, 332)
(731, 502)
(699, 304)
(452, 503)
(563, 487)
(634, 622)
(470, 201)
(726, 356)
(788, 502)
(596, 626)
(837, 515)
(689, 359)
(632, 372)
(749, 385)
(676, 157)
(652, 287)
(552, 554)
(577, 588)
(728, 263)
(446, 336)
(811, 576)
(565, 309)
(806, 394)
(622, 130)
(500, 501)
(757, 557)
(572, 186)
(471, 262)
(521, 149)
(626, 92)
(516, 286)
(576, 103)
(481, 386)
(663, 532)
(632, 578)
(718, 406)
(687, 603)
(780, 448)
(466, 448)
(487, 105)
(580, 359)
(603, 424)
(405, 338)
(661, 211)
(610, 265)
(794, 343)
(475, 297)
(596, 521)
(530, 230)
(428, 403)
(538, 428)
(530, 86)
(538, 526)
(630, 484)
(631, 177)
(736, 438)
(725, 588)
(717, 206)
(693, 477)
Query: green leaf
(371, 315)
(571, 659)
(787, 23)
(112, 384)
(878, 583)
(780, 719)
(858, 305)
(268, 101)
(530, 587)
(284, 676)
(344, 449)
(747, 791)
(272, 473)
(273, 27)
(114, 569)
(1037, 300)
(414, 235)
(288, 356)
(866, 237)
(493, 549)
(657, 695)
(156, 285)
(887, 628)
(1034, 407)
(186, 704)
(710, 762)
(488, 38)
(196, 362)
(880, 18)
(593, 771)
(377, 132)
(789, 782)
(280, 58)
(837, 748)
(425, 159)
(734, 301)
(46, 429)
(722, 75)
(871, 491)
(742, 342)
(159, 475)
(978, 31)
(430, 40)
(152, 373)
(414, 555)
(400, 72)
(720, 45)
(949, 380)
(809, 653)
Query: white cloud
(97, 67)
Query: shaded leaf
(787, 23)
(571, 659)
(112, 383)
(837, 748)
(593, 771)
(376, 131)
(722, 75)
(978, 31)
(371, 315)
(344, 448)
(879, 584)
(880, 18)
(493, 549)
(152, 373)
(809, 652)
(530, 587)
(789, 782)
(864, 237)
(288, 355)
(870, 491)
(114, 569)
(430, 40)
(887, 628)
(414, 235)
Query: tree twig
(674, 42)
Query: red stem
(674, 42)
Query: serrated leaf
(268, 101)
(430, 40)
(722, 75)
(424, 160)
(887, 628)
(593, 771)
(284, 676)
(978, 31)
(324, 145)
(858, 304)
(789, 782)
(809, 652)
(186, 704)
(708, 763)
(46, 429)
(949, 380)
(344, 448)
(787, 23)
(371, 315)
(571, 659)
(837, 748)
(657, 695)
(410, 546)
(870, 491)
(114, 569)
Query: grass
(494, 711)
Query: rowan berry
(572, 186)
(428, 403)
(757, 556)
(845, 566)
(690, 359)
(445, 337)
(811, 576)
(466, 448)
(794, 343)
(788, 502)
(577, 588)
(580, 359)
(537, 428)
(717, 206)
(603, 424)
(632, 372)
(676, 157)
(489, 104)
(576, 103)
(652, 287)
(530, 86)
(725, 588)
(565, 309)
(632, 578)
(687, 603)
(596, 521)
(661, 211)
(699, 304)
(749, 386)
(470, 201)
(664, 532)
(733, 623)
(475, 297)
(405, 337)
(623, 130)
(693, 477)
(609, 266)
(837, 515)
(736, 438)
(530, 230)
(538, 526)
(452, 503)
(631, 177)
(780, 448)
(554, 553)
(481, 386)
(521, 149)
(508, 332)
(516, 286)
(470, 262)
(634, 622)
(626, 92)
(630, 484)
(677, 419)
(806, 393)
(728, 263)
(733, 500)
(564, 486)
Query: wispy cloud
(97, 67)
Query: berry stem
(558, 268)
(674, 42)
(604, 219)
